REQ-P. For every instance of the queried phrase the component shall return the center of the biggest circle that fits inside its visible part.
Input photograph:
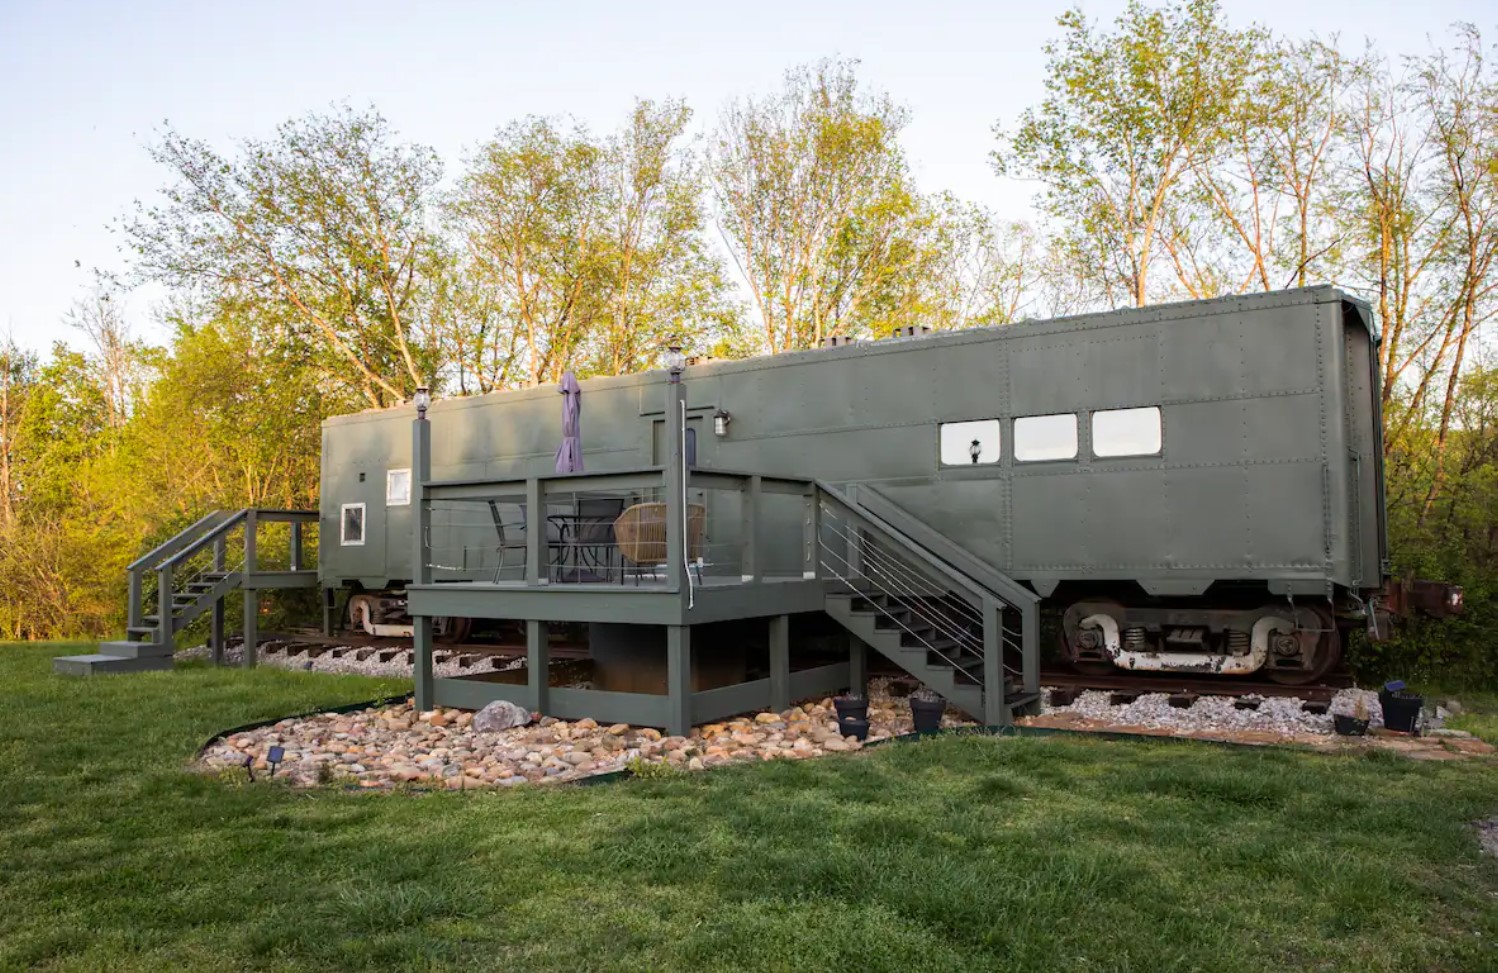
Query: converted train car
(1189, 487)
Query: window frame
(390, 477)
(343, 511)
(1092, 438)
(941, 463)
(1076, 429)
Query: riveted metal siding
(1254, 481)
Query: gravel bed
(1275, 714)
(394, 745)
(295, 656)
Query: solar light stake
(274, 758)
(249, 766)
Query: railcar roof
(1320, 294)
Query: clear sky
(83, 85)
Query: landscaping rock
(500, 715)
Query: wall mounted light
(721, 419)
(675, 361)
(423, 399)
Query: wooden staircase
(193, 576)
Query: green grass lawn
(1479, 716)
(955, 854)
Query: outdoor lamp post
(423, 399)
(974, 450)
(675, 362)
(721, 419)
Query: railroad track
(309, 641)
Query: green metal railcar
(1188, 487)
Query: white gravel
(295, 656)
(1281, 715)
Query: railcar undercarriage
(1283, 641)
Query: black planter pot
(927, 714)
(1349, 726)
(858, 729)
(851, 708)
(1401, 710)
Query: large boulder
(500, 715)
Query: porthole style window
(1126, 432)
(351, 532)
(1045, 437)
(975, 443)
(397, 488)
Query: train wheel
(455, 631)
(1086, 667)
(1324, 657)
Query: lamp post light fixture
(423, 399)
(721, 419)
(975, 450)
(675, 361)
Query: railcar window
(1045, 437)
(1126, 432)
(397, 488)
(352, 534)
(975, 443)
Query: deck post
(535, 532)
(780, 663)
(251, 596)
(750, 495)
(676, 494)
(995, 706)
(858, 667)
(421, 560)
(537, 665)
(679, 680)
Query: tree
(1124, 115)
(815, 205)
(323, 228)
(588, 252)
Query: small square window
(351, 532)
(975, 443)
(1045, 437)
(1126, 432)
(397, 488)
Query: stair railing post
(811, 530)
(995, 706)
(1030, 646)
(135, 614)
(296, 545)
(421, 554)
(251, 596)
(164, 603)
(216, 630)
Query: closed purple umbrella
(570, 453)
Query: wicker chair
(641, 535)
